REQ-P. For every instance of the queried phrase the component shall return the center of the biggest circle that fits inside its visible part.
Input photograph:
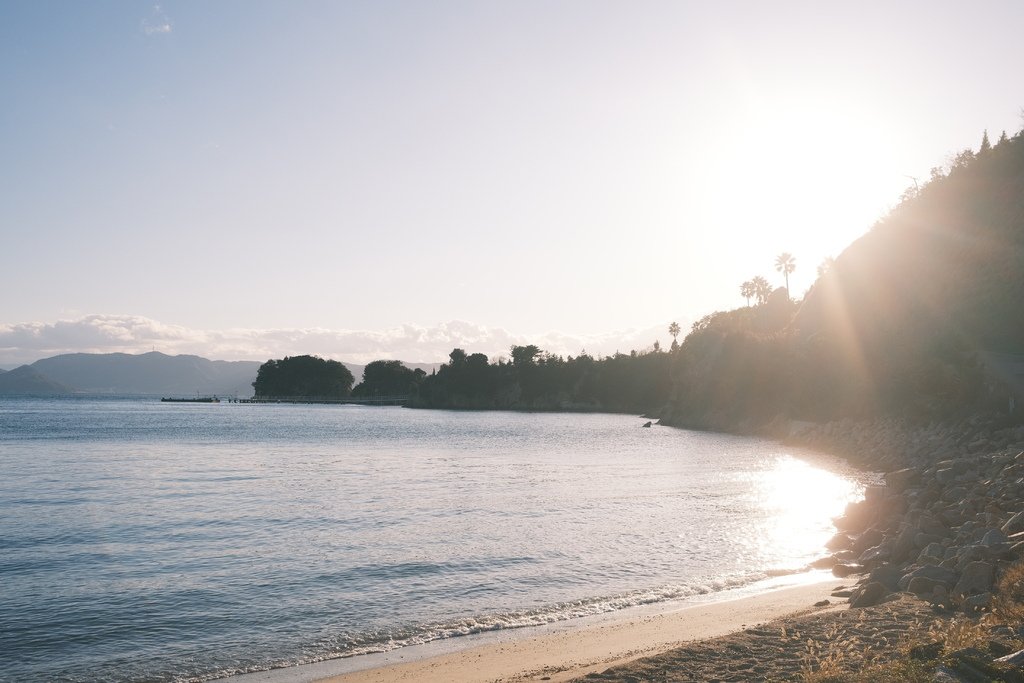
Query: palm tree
(825, 266)
(747, 290)
(762, 289)
(673, 329)
(785, 264)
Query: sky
(363, 180)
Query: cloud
(157, 22)
(30, 341)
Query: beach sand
(776, 635)
(566, 654)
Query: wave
(387, 640)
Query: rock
(933, 550)
(869, 594)
(977, 603)
(945, 675)
(1014, 525)
(856, 518)
(844, 570)
(873, 494)
(936, 573)
(840, 541)
(823, 603)
(868, 539)
(922, 585)
(826, 562)
(900, 480)
(887, 575)
(976, 578)
(904, 545)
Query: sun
(802, 175)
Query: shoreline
(570, 649)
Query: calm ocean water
(142, 541)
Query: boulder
(977, 578)
(900, 480)
(977, 603)
(934, 572)
(869, 594)
(1014, 525)
(844, 570)
(887, 575)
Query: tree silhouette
(986, 146)
(762, 289)
(747, 290)
(674, 330)
(785, 264)
(825, 266)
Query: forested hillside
(536, 380)
(897, 324)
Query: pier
(348, 400)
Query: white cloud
(157, 22)
(27, 342)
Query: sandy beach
(568, 654)
(565, 652)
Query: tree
(524, 355)
(747, 290)
(986, 146)
(457, 357)
(303, 376)
(674, 330)
(785, 264)
(825, 266)
(388, 378)
(762, 290)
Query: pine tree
(986, 146)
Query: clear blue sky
(332, 176)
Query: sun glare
(799, 501)
(793, 176)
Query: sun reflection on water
(799, 501)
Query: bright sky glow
(568, 172)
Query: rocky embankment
(949, 517)
(947, 524)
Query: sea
(149, 541)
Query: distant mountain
(156, 373)
(28, 380)
(149, 373)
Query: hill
(149, 373)
(29, 381)
(904, 322)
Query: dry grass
(1008, 604)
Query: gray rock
(921, 585)
(946, 675)
(1014, 525)
(843, 570)
(887, 575)
(935, 550)
(900, 480)
(977, 577)
(936, 573)
(869, 594)
(977, 603)
(870, 538)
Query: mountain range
(152, 373)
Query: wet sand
(568, 653)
